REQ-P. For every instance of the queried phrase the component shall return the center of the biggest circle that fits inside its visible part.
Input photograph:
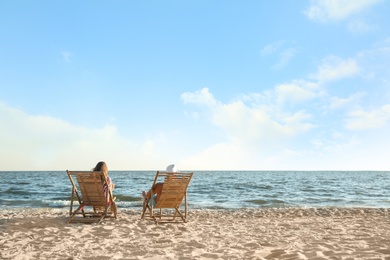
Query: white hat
(171, 168)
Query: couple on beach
(155, 190)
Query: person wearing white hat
(157, 188)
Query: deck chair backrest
(90, 184)
(174, 189)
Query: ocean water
(213, 189)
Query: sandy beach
(322, 233)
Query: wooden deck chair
(174, 191)
(94, 204)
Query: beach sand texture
(322, 233)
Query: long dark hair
(99, 166)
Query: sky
(205, 85)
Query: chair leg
(145, 207)
(181, 215)
(72, 215)
(101, 218)
(114, 209)
(185, 206)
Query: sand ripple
(322, 233)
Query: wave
(217, 189)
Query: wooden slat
(173, 193)
(90, 193)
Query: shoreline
(261, 233)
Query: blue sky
(207, 85)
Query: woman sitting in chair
(102, 166)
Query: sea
(212, 189)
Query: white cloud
(233, 156)
(250, 124)
(359, 26)
(337, 102)
(261, 129)
(298, 125)
(284, 58)
(66, 56)
(229, 156)
(284, 54)
(256, 128)
(361, 119)
(200, 97)
(292, 93)
(375, 62)
(45, 143)
(194, 115)
(335, 10)
(271, 48)
(334, 68)
(296, 92)
(336, 143)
